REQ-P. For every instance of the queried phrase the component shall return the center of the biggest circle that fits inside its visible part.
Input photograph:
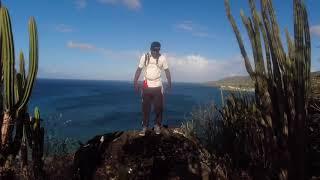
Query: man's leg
(158, 106)
(146, 107)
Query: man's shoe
(143, 131)
(157, 129)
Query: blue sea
(81, 109)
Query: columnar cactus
(17, 89)
(8, 75)
(283, 87)
(15, 102)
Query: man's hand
(167, 88)
(135, 81)
(136, 86)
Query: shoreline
(235, 88)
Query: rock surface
(126, 155)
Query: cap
(155, 44)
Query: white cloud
(197, 68)
(186, 68)
(186, 26)
(109, 54)
(131, 4)
(81, 46)
(315, 30)
(195, 29)
(63, 28)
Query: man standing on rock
(152, 63)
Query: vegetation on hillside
(245, 82)
(273, 134)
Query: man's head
(155, 48)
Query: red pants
(152, 96)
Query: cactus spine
(283, 88)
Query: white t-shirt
(153, 71)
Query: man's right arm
(168, 75)
(136, 77)
(167, 72)
(138, 72)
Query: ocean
(81, 109)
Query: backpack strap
(146, 59)
(158, 58)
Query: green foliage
(188, 129)
(56, 146)
(282, 89)
(243, 134)
(54, 143)
(203, 123)
(235, 136)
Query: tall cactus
(282, 88)
(8, 74)
(11, 105)
(17, 89)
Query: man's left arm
(168, 75)
(166, 70)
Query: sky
(104, 39)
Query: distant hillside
(316, 73)
(245, 82)
(235, 81)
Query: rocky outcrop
(126, 155)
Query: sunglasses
(155, 49)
